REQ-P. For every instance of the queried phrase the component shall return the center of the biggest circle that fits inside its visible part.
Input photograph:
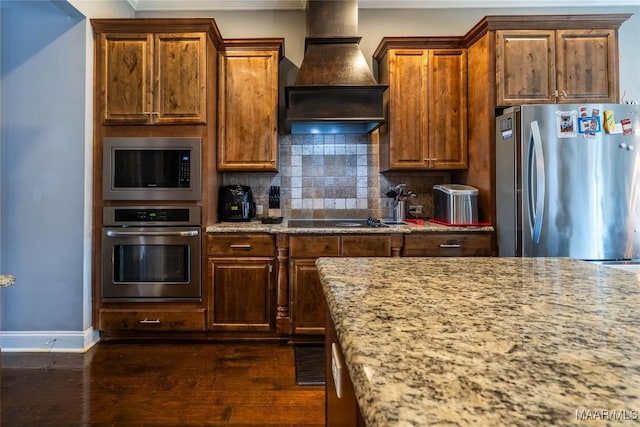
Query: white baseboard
(48, 341)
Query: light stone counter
(7, 280)
(259, 227)
(487, 341)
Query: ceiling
(204, 5)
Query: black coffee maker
(235, 203)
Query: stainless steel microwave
(153, 168)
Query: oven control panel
(152, 215)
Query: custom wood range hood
(334, 91)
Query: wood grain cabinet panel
(152, 320)
(152, 78)
(556, 66)
(586, 65)
(241, 282)
(232, 244)
(447, 109)
(242, 294)
(525, 66)
(181, 73)
(248, 105)
(314, 246)
(426, 107)
(448, 244)
(308, 306)
(125, 73)
(354, 246)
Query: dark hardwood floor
(153, 383)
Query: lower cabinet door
(242, 294)
(152, 320)
(308, 309)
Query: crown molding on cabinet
(191, 5)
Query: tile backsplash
(335, 176)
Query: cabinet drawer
(440, 244)
(366, 246)
(152, 320)
(240, 244)
(314, 246)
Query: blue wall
(42, 154)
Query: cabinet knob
(451, 246)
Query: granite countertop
(487, 341)
(7, 280)
(259, 227)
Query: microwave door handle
(190, 233)
(536, 202)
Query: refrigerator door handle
(535, 182)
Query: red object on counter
(417, 221)
(478, 224)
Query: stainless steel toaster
(455, 204)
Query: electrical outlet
(259, 209)
(415, 209)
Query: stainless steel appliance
(151, 168)
(568, 181)
(455, 204)
(151, 253)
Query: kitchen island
(485, 341)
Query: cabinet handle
(240, 246)
(451, 246)
(149, 321)
(191, 233)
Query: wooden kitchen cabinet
(556, 66)
(308, 306)
(153, 71)
(241, 282)
(426, 105)
(145, 319)
(448, 244)
(248, 105)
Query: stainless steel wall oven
(151, 253)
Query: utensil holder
(399, 211)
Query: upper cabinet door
(426, 106)
(407, 116)
(525, 67)
(556, 66)
(126, 81)
(248, 110)
(153, 78)
(180, 94)
(587, 69)
(448, 109)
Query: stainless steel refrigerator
(568, 181)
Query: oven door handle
(189, 233)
